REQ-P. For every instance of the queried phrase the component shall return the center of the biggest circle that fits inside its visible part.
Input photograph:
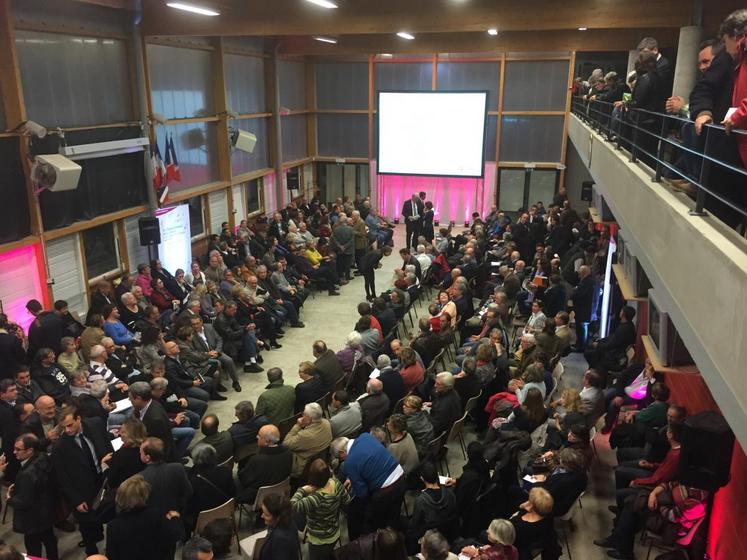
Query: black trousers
(412, 230)
(91, 531)
(369, 278)
(376, 511)
(34, 542)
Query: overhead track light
(192, 8)
(405, 35)
(583, 28)
(493, 31)
(323, 3)
(331, 40)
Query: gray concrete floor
(331, 319)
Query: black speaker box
(586, 190)
(294, 180)
(150, 231)
(705, 455)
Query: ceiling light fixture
(405, 35)
(493, 31)
(583, 28)
(386, 55)
(323, 4)
(192, 8)
(326, 40)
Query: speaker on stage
(586, 190)
(705, 455)
(150, 231)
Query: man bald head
(268, 436)
(374, 386)
(45, 408)
(171, 349)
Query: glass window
(410, 76)
(294, 137)
(196, 216)
(181, 81)
(196, 149)
(73, 80)
(344, 135)
(245, 83)
(536, 86)
(253, 196)
(531, 138)
(342, 85)
(102, 255)
(292, 79)
(471, 76)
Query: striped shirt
(100, 371)
(322, 510)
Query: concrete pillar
(686, 69)
(632, 56)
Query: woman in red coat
(161, 297)
(733, 31)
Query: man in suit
(427, 343)
(170, 489)
(221, 441)
(77, 462)
(12, 354)
(447, 404)
(206, 340)
(326, 365)
(344, 237)
(239, 342)
(592, 397)
(45, 331)
(311, 435)
(407, 258)
(10, 425)
(606, 353)
(663, 66)
(271, 465)
(244, 431)
(311, 388)
(43, 423)
(374, 404)
(412, 211)
(582, 297)
(393, 384)
(191, 384)
(152, 414)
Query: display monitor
(435, 133)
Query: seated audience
(401, 445)
(434, 508)
(271, 465)
(374, 404)
(347, 418)
(446, 405)
(419, 423)
(311, 388)
(277, 401)
(222, 441)
(311, 435)
(212, 485)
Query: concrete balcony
(697, 265)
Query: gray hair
(383, 361)
(610, 76)
(374, 386)
(354, 339)
(244, 409)
(469, 365)
(141, 389)
(502, 532)
(379, 433)
(193, 303)
(421, 248)
(204, 455)
(106, 340)
(446, 378)
(338, 444)
(159, 383)
(435, 545)
(98, 389)
(65, 340)
(313, 411)
(124, 298)
(96, 351)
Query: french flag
(159, 169)
(172, 164)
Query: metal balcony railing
(668, 144)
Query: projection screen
(439, 133)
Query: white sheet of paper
(117, 443)
(123, 405)
(730, 112)
(374, 374)
(443, 479)
(530, 478)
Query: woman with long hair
(282, 535)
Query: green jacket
(654, 415)
(361, 236)
(277, 402)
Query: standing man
(583, 297)
(31, 498)
(10, 425)
(376, 481)
(412, 211)
(77, 463)
(152, 414)
(368, 265)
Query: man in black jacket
(582, 297)
(427, 343)
(374, 405)
(10, 425)
(190, 383)
(326, 365)
(170, 489)
(412, 212)
(271, 465)
(77, 461)
(369, 263)
(447, 404)
(311, 389)
(46, 329)
(152, 415)
(12, 354)
(31, 498)
(606, 353)
(240, 343)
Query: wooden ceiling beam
(550, 41)
(296, 17)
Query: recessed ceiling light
(386, 55)
(326, 40)
(323, 3)
(493, 31)
(583, 28)
(405, 35)
(192, 8)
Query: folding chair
(223, 511)
(436, 451)
(567, 519)
(456, 433)
(282, 488)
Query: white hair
(124, 298)
(313, 411)
(383, 361)
(374, 386)
(339, 444)
(446, 378)
(421, 248)
(97, 350)
(98, 389)
(354, 339)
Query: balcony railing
(669, 145)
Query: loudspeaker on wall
(705, 455)
(150, 231)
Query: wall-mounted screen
(435, 133)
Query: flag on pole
(160, 178)
(172, 164)
(159, 170)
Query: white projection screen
(438, 133)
